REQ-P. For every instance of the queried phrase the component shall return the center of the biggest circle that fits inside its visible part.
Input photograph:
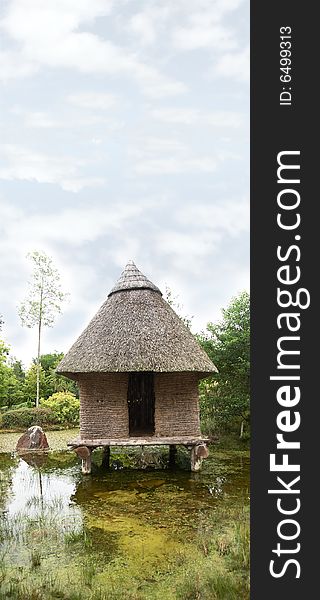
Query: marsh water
(132, 522)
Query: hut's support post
(85, 454)
(198, 453)
(86, 464)
(172, 455)
(106, 458)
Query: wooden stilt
(172, 455)
(85, 454)
(106, 458)
(198, 453)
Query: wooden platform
(84, 446)
(138, 441)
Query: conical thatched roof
(135, 330)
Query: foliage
(64, 406)
(45, 296)
(25, 417)
(30, 383)
(52, 381)
(225, 395)
(10, 383)
(43, 301)
(18, 387)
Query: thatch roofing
(132, 279)
(135, 330)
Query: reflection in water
(30, 487)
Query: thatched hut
(138, 367)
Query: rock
(33, 439)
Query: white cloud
(66, 120)
(36, 119)
(189, 25)
(200, 231)
(193, 116)
(50, 37)
(156, 156)
(43, 229)
(175, 165)
(94, 100)
(82, 114)
(27, 19)
(24, 164)
(234, 65)
(221, 217)
(13, 67)
(148, 23)
(204, 27)
(142, 25)
(203, 35)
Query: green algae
(142, 546)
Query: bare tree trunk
(241, 429)
(38, 366)
(39, 346)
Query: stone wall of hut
(104, 407)
(177, 404)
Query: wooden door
(141, 402)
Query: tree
(228, 345)
(17, 368)
(43, 301)
(53, 382)
(4, 373)
(34, 376)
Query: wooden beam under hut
(106, 458)
(197, 447)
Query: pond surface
(124, 525)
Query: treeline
(59, 401)
(225, 397)
(18, 386)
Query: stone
(33, 439)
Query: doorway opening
(141, 403)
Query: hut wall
(103, 405)
(177, 404)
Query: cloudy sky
(123, 135)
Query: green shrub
(26, 417)
(65, 407)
